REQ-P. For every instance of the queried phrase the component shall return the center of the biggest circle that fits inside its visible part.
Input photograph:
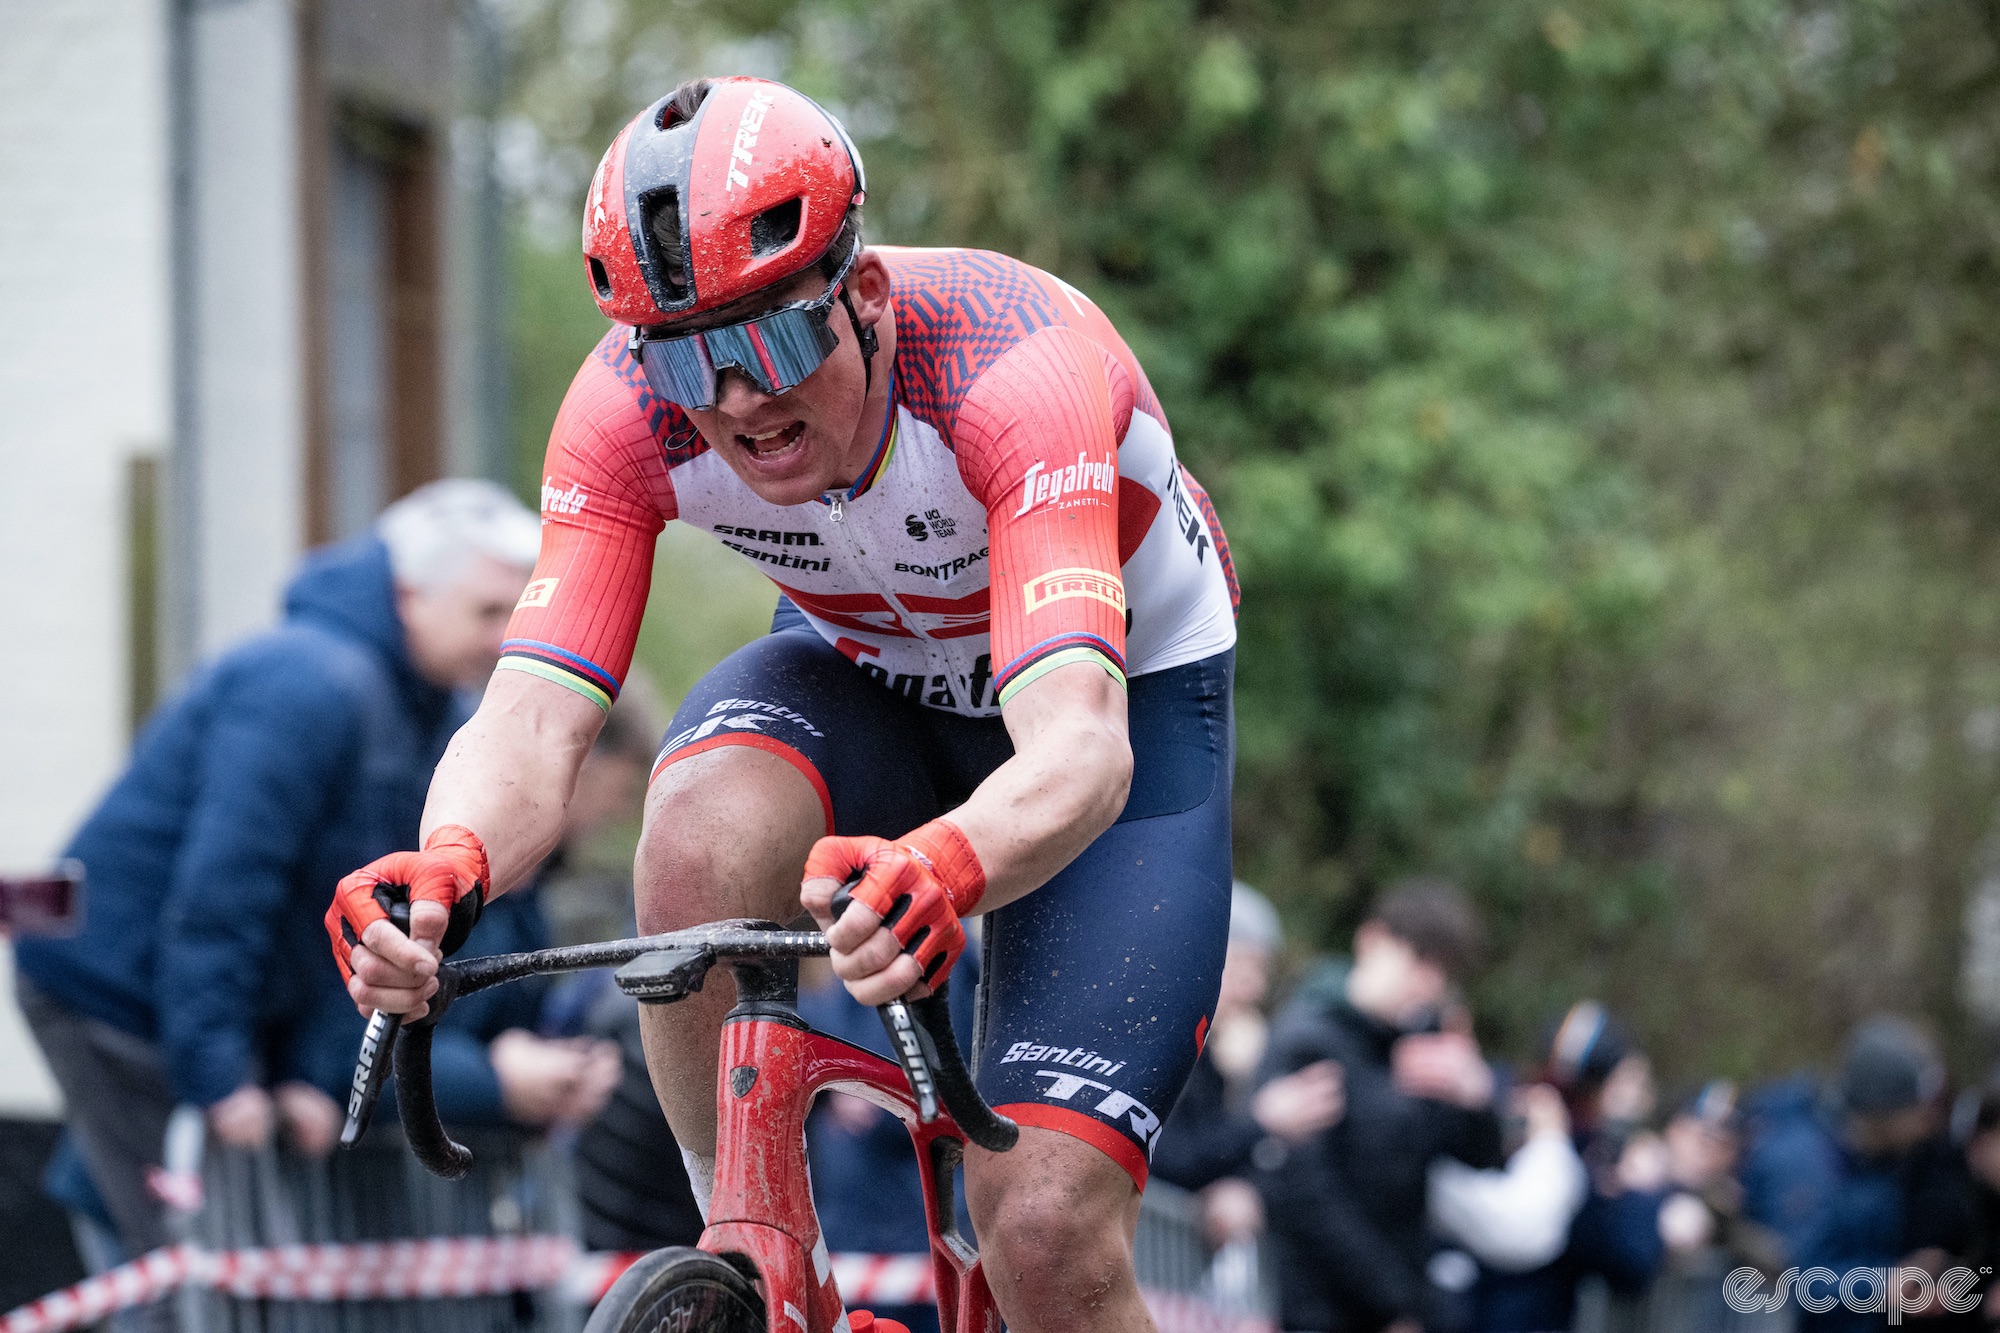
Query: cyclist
(998, 680)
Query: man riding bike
(998, 680)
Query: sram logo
(1057, 584)
(1043, 486)
(746, 137)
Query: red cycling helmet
(690, 212)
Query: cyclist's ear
(868, 286)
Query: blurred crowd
(1357, 1162)
(1396, 1180)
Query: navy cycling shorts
(1097, 988)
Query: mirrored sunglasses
(777, 350)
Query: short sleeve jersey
(1023, 510)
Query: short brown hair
(1431, 916)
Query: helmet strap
(868, 341)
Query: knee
(725, 835)
(676, 872)
(1047, 1233)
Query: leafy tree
(1598, 398)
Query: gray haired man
(201, 973)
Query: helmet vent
(600, 279)
(661, 213)
(775, 228)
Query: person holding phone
(1347, 1210)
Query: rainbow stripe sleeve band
(562, 667)
(1060, 651)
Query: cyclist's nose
(738, 395)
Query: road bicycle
(761, 1265)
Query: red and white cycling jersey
(1024, 509)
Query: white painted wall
(83, 387)
(249, 447)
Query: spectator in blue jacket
(1860, 1174)
(279, 767)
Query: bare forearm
(1067, 782)
(509, 772)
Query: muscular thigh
(1099, 986)
(783, 742)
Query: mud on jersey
(1024, 509)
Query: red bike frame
(770, 1071)
(772, 1066)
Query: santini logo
(746, 137)
(1060, 583)
(1040, 487)
(562, 502)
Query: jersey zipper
(836, 501)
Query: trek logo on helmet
(747, 127)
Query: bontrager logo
(1048, 487)
(746, 137)
(1057, 584)
(946, 571)
(597, 187)
(556, 501)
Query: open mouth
(774, 444)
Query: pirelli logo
(539, 593)
(1060, 583)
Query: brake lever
(913, 1047)
(371, 1066)
(411, 1046)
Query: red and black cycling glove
(920, 886)
(451, 870)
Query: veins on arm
(509, 772)
(1066, 783)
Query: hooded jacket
(1347, 1210)
(286, 763)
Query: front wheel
(679, 1291)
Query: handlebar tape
(430, 1142)
(415, 1098)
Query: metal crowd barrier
(250, 1227)
(1186, 1284)
(1687, 1298)
(376, 1191)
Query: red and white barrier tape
(380, 1270)
(885, 1279)
(468, 1266)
